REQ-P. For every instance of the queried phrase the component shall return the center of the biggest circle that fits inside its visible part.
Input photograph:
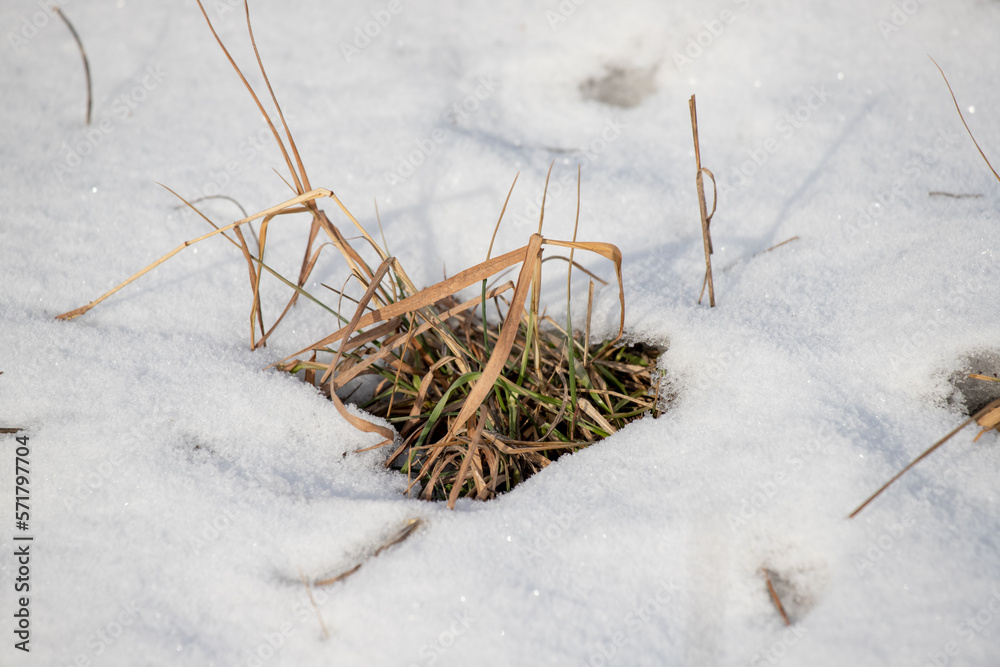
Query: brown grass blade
(362, 424)
(389, 347)
(470, 454)
(312, 600)
(706, 217)
(989, 418)
(83, 55)
(254, 282)
(774, 597)
(309, 196)
(260, 106)
(281, 116)
(991, 409)
(426, 296)
(609, 251)
(959, 110)
(507, 333)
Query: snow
(179, 491)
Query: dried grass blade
(589, 409)
(407, 530)
(959, 110)
(364, 232)
(256, 308)
(83, 55)
(989, 418)
(314, 194)
(508, 332)
(389, 347)
(993, 407)
(254, 281)
(463, 471)
(775, 598)
(427, 296)
(260, 107)
(609, 251)
(357, 422)
(267, 81)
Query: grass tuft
(475, 407)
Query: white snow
(178, 490)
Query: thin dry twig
(706, 216)
(959, 110)
(774, 596)
(320, 192)
(988, 418)
(778, 245)
(408, 529)
(83, 54)
(938, 193)
(312, 600)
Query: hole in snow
(972, 394)
(624, 87)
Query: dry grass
(83, 56)
(479, 405)
(706, 215)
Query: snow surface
(178, 490)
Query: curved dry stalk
(358, 422)
(308, 196)
(267, 81)
(83, 54)
(260, 106)
(959, 110)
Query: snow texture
(179, 491)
